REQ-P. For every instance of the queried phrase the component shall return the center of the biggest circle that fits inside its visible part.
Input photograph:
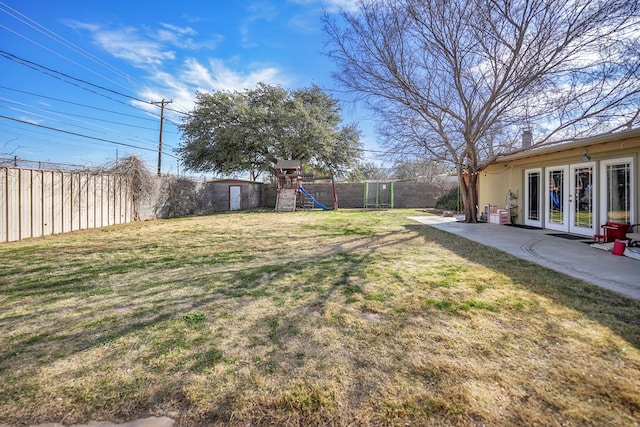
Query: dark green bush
(450, 201)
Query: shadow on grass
(97, 314)
(190, 330)
(69, 313)
(619, 313)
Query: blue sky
(73, 72)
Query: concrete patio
(572, 257)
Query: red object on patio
(614, 230)
(618, 248)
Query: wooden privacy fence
(35, 203)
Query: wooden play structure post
(289, 175)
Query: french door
(618, 191)
(557, 198)
(533, 197)
(570, 201)
(582, 199)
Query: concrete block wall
(407, 194)
(175, 197)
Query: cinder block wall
(174, 197)
(407, 194)
(350, 195)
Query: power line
(66, 43)
(48, 71)
(79, 115)
(75, 48)
(82, 135)
(91, 128)
(60, 55)
(56, 74)
(73, 84)
(80, 105)
(37, 67)
(46, 136)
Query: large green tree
(248, 132)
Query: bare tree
(424, 169)
(459, 80)
(367, 171)
(141, 180)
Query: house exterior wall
(508, 173)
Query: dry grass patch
(308, 318)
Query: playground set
(295, 190)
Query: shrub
(450, 201)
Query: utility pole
(162, 104)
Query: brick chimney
(527, 138)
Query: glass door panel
(582, 199)
(617, 183)
(557, 198)
(533, 199)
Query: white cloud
(193, 76)
(197, 75)
(336, 5)
(157, 51)
(256, 11)
(184, 37)
(218, 76)
(179, 30)
(144, 46)
(127, 44)
(332, 6)
(29, 119)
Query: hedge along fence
(35, 203)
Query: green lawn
(307, 318)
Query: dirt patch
(372, 317)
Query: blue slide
(315, 202)
(555, 200)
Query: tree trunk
(469, 189)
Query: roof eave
(578, 143)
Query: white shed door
(235, 197)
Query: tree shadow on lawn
(80, 323)
(91, 299)
(197, 302)
(619, 313)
